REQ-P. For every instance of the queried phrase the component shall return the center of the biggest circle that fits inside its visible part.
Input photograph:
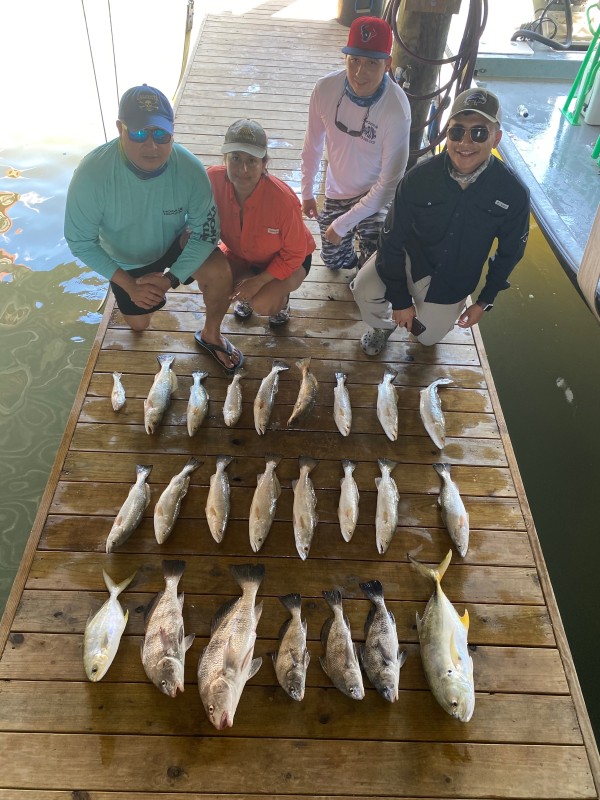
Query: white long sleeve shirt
(369, 165)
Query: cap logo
(147, 101)
(367, 32)
(246, 133)
(476, 99)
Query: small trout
(387, 404)
(342, 410)
(340, 662)
(159, 396)
(167, 509)
(232, 407)
(264, 503)
(386, 516)
(348, 505)
(217, 503)
(265, 397)
(292, 658)
(103, 631)
(454, 513)
(198, 403)
(307, 395)
(132, 510)
(117, 396)
(304, 512)
(431, 412)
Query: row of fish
(264, 505)
(165, 383)
(227, 662)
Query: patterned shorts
(343, 255)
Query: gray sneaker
(375, 340)
(243, 310)
(282, 317)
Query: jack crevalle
(307, 395)
(197, 407)
(431, 412)
(264, 503)
(340, 662)
(387, 404)
(168, 506)
(454, 513)
(159, 396)
(304, 510)
(165, 643)
(103, 631)
(131, 512)
(265, 397)
(217, 503)
(446, 660)
(227, 661)
(292, 658)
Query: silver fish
(386, 516)
(197, 407)
(131, 512)
(292, 658)
(307, 395)
(167, 508)
(265, 397)
(217, 503)
(387, 404)
(431, 412)
(342, 410)
(117, 396)
(304, 511)
(446, 660)
(103, 631)
(264, 503)
(165, 643)
(454, 513)
(232, 407)
(226, 662)
(159, 396)
(348, 505)
(380, 655)
(340, 662)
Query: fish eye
(454, 704)
(163, 683)
(211, 709)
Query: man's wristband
(485, 306)
(173, 279)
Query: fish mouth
(224, 722)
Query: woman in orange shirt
(263, 234)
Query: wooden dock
(64, 738)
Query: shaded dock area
(64, 738)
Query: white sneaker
(243, 310)
(375, 340)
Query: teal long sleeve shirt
(115, 219)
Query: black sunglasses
(340, 125)
(478, 134)
(159, 136)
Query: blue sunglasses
(159, 136)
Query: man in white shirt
(363, 117)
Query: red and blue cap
(370, 37)
(146, 107)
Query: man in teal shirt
(140, 211)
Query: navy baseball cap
(146, 107)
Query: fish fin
(333, 598)
(193, 463)
(284, 627)
(294, 482)
(151, 606)
(418, 618)
(454, 654)
(307, 461)
(258, 609)
(173, 568)
(180, 600)
(274, 657)
(325, 631)
(245, 574)
(222, 612)
(323, 664)
(402, 656)
(361, 653)
(465, 620)
(377, 482)
(254, 667)
(165, 640)
(291, 601)
(188, 642)
(280, 365)
(306, 658)
(442, 469)
(372, 589)
(277, 486)
(224, 460)
(434, 575)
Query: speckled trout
(304, 511)
(431, 412)
(454, 513)
(348, 504)
(386, 515)
(342, 410)
(131, 512)
(159, 396)
(264, 503)
(168, 506)
(387, 404)
(217, 503)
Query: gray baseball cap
(246, 136)
(480, 101)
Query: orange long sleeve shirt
(273, 235)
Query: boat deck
(64, 738)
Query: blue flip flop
(213, 349)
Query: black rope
(112, 40)
(94, 70)
(530, 30)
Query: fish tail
(272, 458)
(248, 574)
(291, 601)
(436, 574)
(307, 461)
(340, 376)
(347, 464)
(165, 358)
(442, 469)
(224, 461)
(333, 598)
(387, 463)
(117, 374)
(192, 464)
(117, 588)
(373, 590)
(303, 363)
(143, 469)
(280, 365)
(391, 372)
(173, 569)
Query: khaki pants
(369, 290)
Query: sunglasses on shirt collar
(340, 125)
(159, 136)
(478, 134)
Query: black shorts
(124, 301)
(306, 264)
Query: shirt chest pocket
(430, 221)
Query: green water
(542, 343)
